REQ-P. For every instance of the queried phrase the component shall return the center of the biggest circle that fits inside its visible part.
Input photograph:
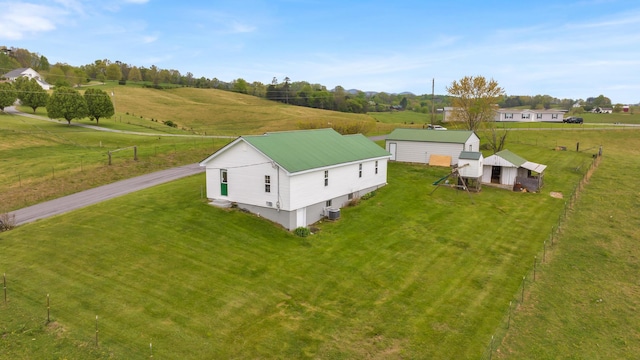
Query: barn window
(267, 183)
(326, 178)
(359, 170)
(376, 166)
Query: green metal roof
(443, 136)
(309, 149)
(470, 155)
(511, 157)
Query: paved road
(95, 195)
(12, 110)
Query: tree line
(300, 93)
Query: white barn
(417, 145)
(507, 168)
(295, 178)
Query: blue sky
(563, 48)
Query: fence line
(519, 297)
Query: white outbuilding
(507, 168)
(425, 146)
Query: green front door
(223, 183)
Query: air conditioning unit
(333, 214)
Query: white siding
(308, 188)
(474, 170)
(420, 152)
(246, 170)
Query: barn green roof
(443, 136)
(309, 149)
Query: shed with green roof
(507, 168)
(417, 145)
(295, 178)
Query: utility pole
(433, 102)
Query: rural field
(410, 273)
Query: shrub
(368, 196)
(170, 123)
(7, 222)
(302, 231)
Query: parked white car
(436, 127)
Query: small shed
(507, 168)
(470, 164)
(470, 169)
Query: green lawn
(406, 274)
(585, 302)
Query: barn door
(392, 149)
(223, 183)
(495, 174)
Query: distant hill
(372, 93)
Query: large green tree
(474, 100)
(99, 104)
(66, 103)
(31, 94)
(134, 74)
(8, 95)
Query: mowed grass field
(405, 274)
(585, 302)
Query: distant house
(507, 168)
(527, 115)
(28, 73)
(295, 178)
(419, 145)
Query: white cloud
(20, 19)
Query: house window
(359, 170)
(526, 116)
(470, 147)
(267, 183)
(326, 178)
(350, 196)
(554, 116)
(508, 116)
(538, 116)
(327, 203)
(376, 166)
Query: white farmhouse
(295, 178)
(28, 73)
(418, 145)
